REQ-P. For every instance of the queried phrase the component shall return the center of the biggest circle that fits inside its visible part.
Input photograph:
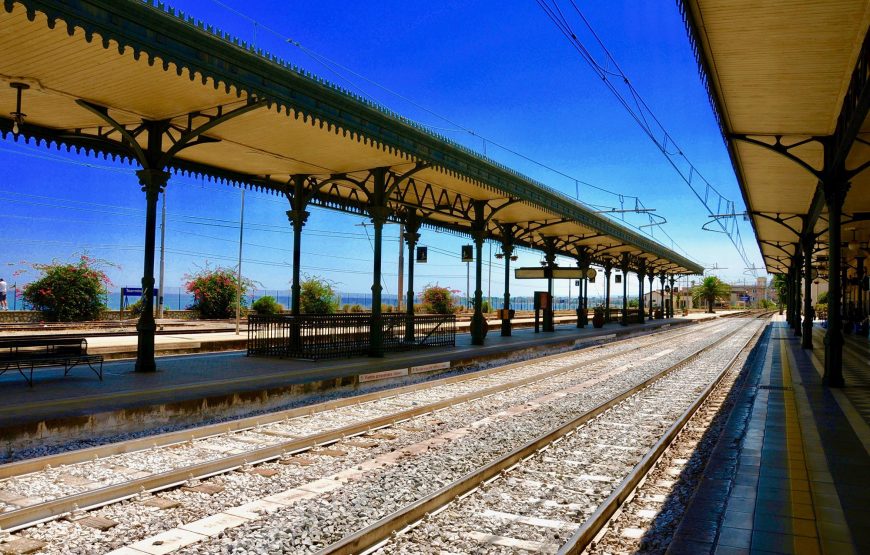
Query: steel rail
(379, 531)
(598, 520)
(27, 466)
(25, 517)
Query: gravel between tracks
(314, 523)
(540, 503)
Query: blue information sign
(133, 292)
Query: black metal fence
(318, 336)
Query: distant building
(742, 295)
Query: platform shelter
(143, 83)
(790, 86)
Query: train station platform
(188, 389)
(790, 472)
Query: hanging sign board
(422, 255)
(617, 278)
(545, 273)
(468, 253)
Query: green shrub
(438, 300)
(357, 308)
(823, 298)
(266, 306)
(135, 309)
(69, 292)
(317, 296)
(215, 292)
(485, 306)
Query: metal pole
(162, 255)
(507, 250)
(468, 284)
(569, 293)
(807, 339)
(239, 275)
(401, 284)
(153, 182)
(835, 194)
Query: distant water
(176, 298)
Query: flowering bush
(69, 292)
(438, 300)
(214, 292)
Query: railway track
(41, 489)
(561, 488)
(408, 415)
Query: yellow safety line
(794, 443)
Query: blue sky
(500, 69)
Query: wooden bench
(25, 353)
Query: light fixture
(499, 255)
(853, 244)
(18, 116)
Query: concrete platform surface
(186, 340)
(791, 472)
(202, 385)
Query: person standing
(3, 289)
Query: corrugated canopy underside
(782, 68)
(141, 63)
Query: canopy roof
(102, 70)
(788, 79)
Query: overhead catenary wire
(615, 79)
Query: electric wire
(643, 116)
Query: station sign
(745, 298)
(546, 273)
(134, 292)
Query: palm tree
(780, 286)
(710, 289)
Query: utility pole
(489, 279)
(239, 275)
(162, 256)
